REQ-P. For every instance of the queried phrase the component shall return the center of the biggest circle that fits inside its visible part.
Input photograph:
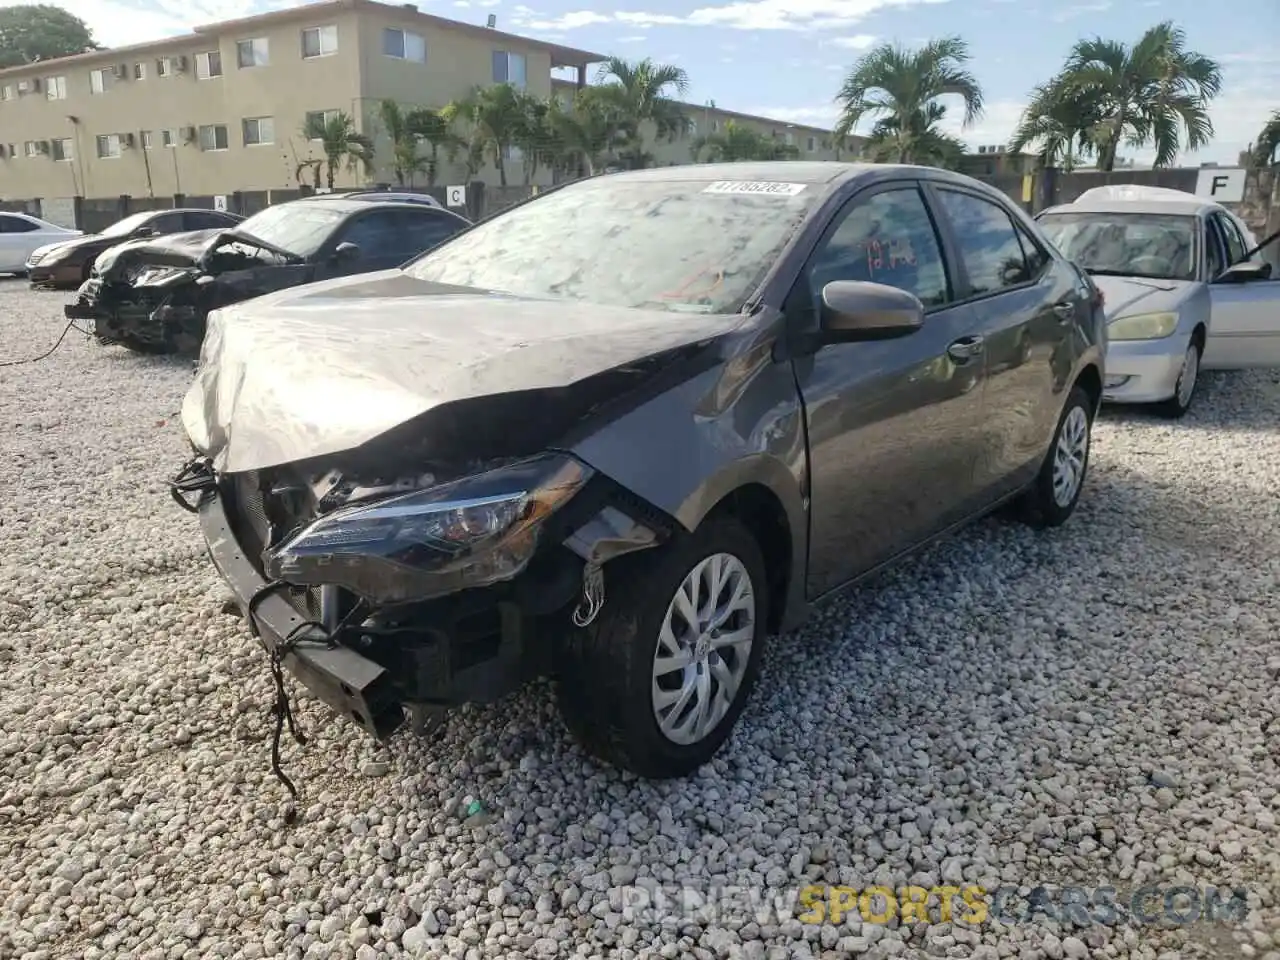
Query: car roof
(344, 205)
(828, 174)
(1185, 208)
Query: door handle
(965, 349)
(1065, 311)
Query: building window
(139, 71)
(164, 67)
(789, 138)
(99, 80)
(31, 148)
(213, 136)
(319, 42)
(316, 121)
(693, 128)
(148, 141)
(61, 149)
(168, 138)
(108, 146)
(55, 88)
(513, 153)
(813, 144)
(258, 131)
(715, 126)
(6, 92)
(253, 53)
(509, 68)
(403, 45)
(208, 64)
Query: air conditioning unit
(1000, 149)
(180, 62)
(4, 151)
(128, 139)
(43, 147)
(188, 134)
(121, 71)
(24, 86)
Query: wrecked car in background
(70, 263)
(153, 295)
(621, 433)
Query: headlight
(468, 533)
(57, 253)
(1143, 326)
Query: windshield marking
(768, 188)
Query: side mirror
(853, 311)
(144, 232)
(346, 251)
(1246, 271)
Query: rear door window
(988, 243)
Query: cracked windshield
(1159, 247)
(688, 245)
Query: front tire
(656, 683)
(1184, 391)
(1052, 498)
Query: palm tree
(902, 88)
(920, 129)
(737, 142)
(405, 161)
(1265, 150)
(1153, 94)
(594, 128)
(341, 144)
(435, 130)
(495, 116)
(1060, 124)
(647, 89)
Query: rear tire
(616, 678)
(1052, 498)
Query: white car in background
(1186, 289)
(21, 235)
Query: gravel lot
(1097, 705)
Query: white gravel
(1096, 705)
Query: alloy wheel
(703, 648)
(1070, 455)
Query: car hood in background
(70, 241)
(172, 249)
(1126, 296)
(323, 369)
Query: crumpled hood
(322, 369)
(1126, 296)
(172, 249)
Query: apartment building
(226, 106)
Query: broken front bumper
(351, 684)
(85, 306)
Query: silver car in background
(1185, 290)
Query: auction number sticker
(756, 187)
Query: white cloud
(737, 15)
(859, 41)
(1080, 10)
(118, 24)
(633, 38)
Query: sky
(787, 58)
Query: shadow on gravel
(1225, 399)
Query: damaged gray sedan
(620, 434)
(153, 295)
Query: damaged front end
(155, 296)
(395, 597)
